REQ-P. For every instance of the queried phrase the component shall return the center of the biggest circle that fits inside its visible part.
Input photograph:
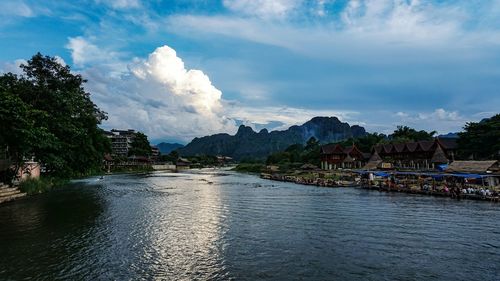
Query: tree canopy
(405, 134)
(297, 154)
(481, 140)
(140, 146)
(45, 113)
(366, 142)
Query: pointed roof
(426, 145)
(439, 156)
(353, 150)
(348, 159)
(447, 143)
(375, 157)
(411, 146)
(398, 147)
(387, 148)
(331, 148)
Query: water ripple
(218, 225)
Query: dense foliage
(140, 146)
(365, 143)
(171, 157)
(406, 134)
(46, 114)
(298, 154)
(204, 160)
(481, 140)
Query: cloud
(13, 67)
(121, 4)
(440, 120)
(15, 8)
(84, 54)
(441, 115)
(287, 116)
(162, 98)
(361, 30)
(159, 96)
(263, 8)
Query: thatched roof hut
(480, 167)
(439, 156)
(375, 157)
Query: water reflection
(40, 238)
(186, 238)
(219, 225)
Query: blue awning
(442, 167)
(381, 174)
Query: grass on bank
(40, 185)
(46, 183)
(250, 168)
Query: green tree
(19, 138)
(481, 140)
(405, 134)
(140, 146)
(366, 142)
(58, 123)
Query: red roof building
(334, 156)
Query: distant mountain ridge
(166, 148)
(249, 144)
(450, 135)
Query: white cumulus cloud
(159, 96)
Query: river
(221, 225)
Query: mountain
(166, 148)
(449, 136)
(249, 144)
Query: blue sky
(178, 69)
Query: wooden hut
(335, 156)
(474, 167)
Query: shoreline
(454, 193)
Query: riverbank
(34, 186)
(469, 193)
(40, 185)
(306, 178)
(422, 186)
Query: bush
(249, 168)
(40, 185)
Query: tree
(366, 142)
(56, 122)
(18, 135)
(481, 140)
(140, 146)
(297, 154)
(406, 134)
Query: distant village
(121, 158)
(427, 167)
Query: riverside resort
(249, 140)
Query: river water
(220, 225)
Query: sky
(179, 69)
